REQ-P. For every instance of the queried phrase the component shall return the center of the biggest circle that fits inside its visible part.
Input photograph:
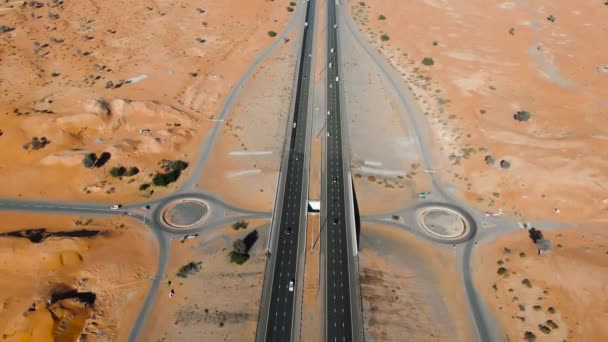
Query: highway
(278, 312)
(339, 265)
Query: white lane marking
(372, 163)
(242, 173)
(383, 172)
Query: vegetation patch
(428, 61)
(272, 34)
(173, 169)
(240, 225)
(384, 37)
(189, 268)
(241, 247)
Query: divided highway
(341, 295)
(277, 310)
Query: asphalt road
(281, 309)
(339, 324)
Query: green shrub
(89, 160)
(238, 258)
(384, 37)
(381, 17)
(164, 179)
(118, 171)
(292, 4)
(428, 61)
(240, 225)
(188, 269)
(132, 171)
(144, 186)
(435, 43)
(178, 165)
(361, 3)
(272, 34)
(289, 9)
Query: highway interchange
(288, 227)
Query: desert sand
(221, 300)
(490, 60)
(244, 167)
(88, 76)
(410, 289)
(556, 296)
(108, 265)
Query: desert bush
(522, 115)
(132, 171)
(289, 9)
(188, 269)
(164, 179)
(144, 186)
(272, 34)
(428, 61)
(292, 4)
(118, 171)
(381, 17)
(89, 160)
(529, 336)
(240, 225)
(384, 37)
(103, 159)
(505, 164)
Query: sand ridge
(88, 76)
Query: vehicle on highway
(330, 65)
(116, 206)
(291, 286)
(337, 78)
(332, 50)
(306, 24)
(294, 125)
(188, 237)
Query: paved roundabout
(445, 223)
(185, 213)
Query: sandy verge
(491, 59)
(384, 161)
(244, 167)
(409, 288)
(221, 300)
(88, 76)
(556, 296)
(109, 265)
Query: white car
(116, 206)
(291, 286)
(337, 78)
(332, 50)
(306, 24)
(294, 125)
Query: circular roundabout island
(444, 223)
(184, 213)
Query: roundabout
(445, 223)
(184, 213)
